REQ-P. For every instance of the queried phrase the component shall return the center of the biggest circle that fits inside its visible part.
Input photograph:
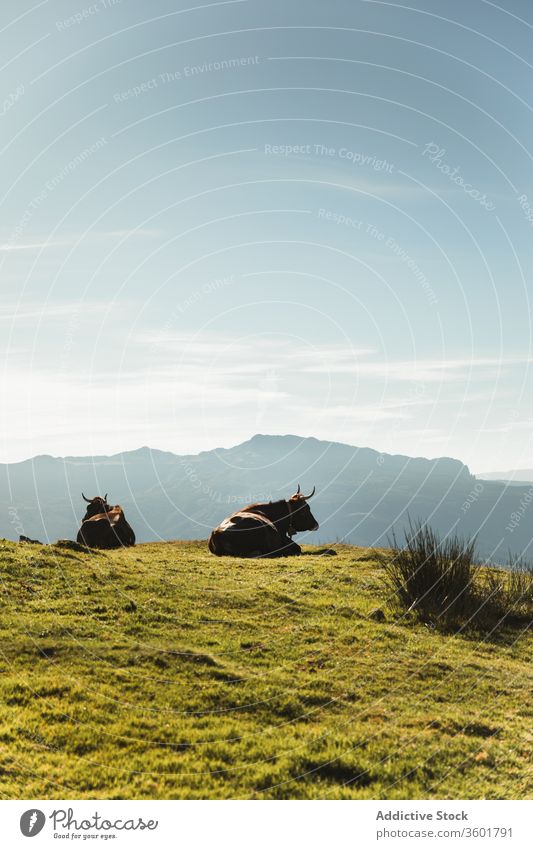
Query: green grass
(164, 672)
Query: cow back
(107, 530)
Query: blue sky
(286, 217)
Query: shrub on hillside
(439, 580)
(509, 592)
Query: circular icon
(32, 822)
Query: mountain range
(361, 494)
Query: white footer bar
(268, 825)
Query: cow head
(95, 505)
(301, 517)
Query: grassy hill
(161, 671)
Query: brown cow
(104, 526)
(264, 530)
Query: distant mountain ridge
(511, 476)
(361, 496)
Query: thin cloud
(509, 427)
(422, 371)
(30, 312)
(31, 246)
(82, 238)
(223, 355)
(358, 413)
(248, 351)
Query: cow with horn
(104, 526)
(264, 530)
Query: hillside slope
(361, 494)
(161, 671)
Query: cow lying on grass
(264, 530)
(104, 526)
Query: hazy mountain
(361, 494)
(513, 476)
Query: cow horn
(306, 497)
(88, 500)
(298, 490)
(105, 497)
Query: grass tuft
(441, 582)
